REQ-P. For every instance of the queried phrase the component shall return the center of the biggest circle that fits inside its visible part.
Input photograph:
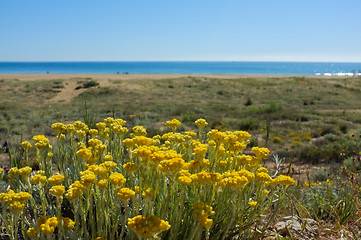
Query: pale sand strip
(24, 77)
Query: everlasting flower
(87, 177)
(57, 191)
(85, 153)
(48, 227)
(173, 124)
(25, 171)
(56, 179)
(26, 145)
(125, 194)
(171, 166)
(130, 167)
(202, 211)
(283, 180)
(253, 204)
(102, 183)
(201, 123)
(32, 232)
(139, 131)
(41, 141)
(117, 179)
(58, 127)
(68, 223)
(185, 180)
(148, 193)
(38, 179)
(148, 227)
(260, 153)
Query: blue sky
(184, 30)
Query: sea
(185, 67)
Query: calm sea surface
(272, 68)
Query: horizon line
(110, 61)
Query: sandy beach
(24, 77)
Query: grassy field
(307, 119)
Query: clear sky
(184, 30)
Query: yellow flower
(202, 211)
(1, 170)
(173, 124)
(102, 183)
(109, 165)
(85, 153)
(130, 167)
(263, 176)
(13, 172)
(125, 194)
(139, 131)
(108, 158)
(148, 227)
(26, 145)
(185, 180)
(41, 141)
(56, 179)
(200, 150)
(32, 232)
(68, 223)
(38, 179)
(117, 179)
(57, 191)
(75, 190)
(25, 171)
(265, 192)
(49, 226)
(148, 193)
(58, 127)
(93, 132)
(16, 206)
(205, 178)
(87, 177)
(253, 204)
(171, 166)
(201, 123)
(261, 153)
(329, 182)
(284, 180)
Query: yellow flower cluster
(41, 142)
(261, 153)
(15, 201)
(125, 194)
(117, 179)
(205, 178)
(75, 190)
(236, 179)
(283, 180)
(26, 145)
(38, 178)
(23, 172)
(171, 166)
(47, 224)
(57, 190)
(201, 123)
(202, 211)
(148, 227)
(56, 179)
(58, 127)
(173, 124)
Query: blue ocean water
(271, 68)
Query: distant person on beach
(47, 72)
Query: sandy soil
(131, 76)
